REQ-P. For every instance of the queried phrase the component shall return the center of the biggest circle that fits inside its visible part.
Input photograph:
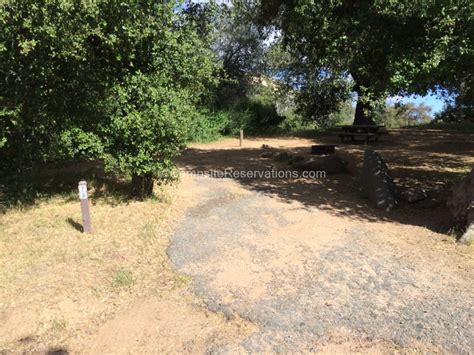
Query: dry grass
(44, 256)
(58, 284)
(115, 291)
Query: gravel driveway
(309, 279)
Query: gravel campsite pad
(313, 280)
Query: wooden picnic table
(361, 128)
(366, 133)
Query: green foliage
(208, 125)
(456, 113)
(320, 99)
(85, 79)
(146, 128)
(261, 107)
(384, 47)
(78, 144)
(461, 109)
(294, 123)
(240, 41)
(48, 77)
(343, 115)
(242, 49)
(256, 112)
(403, 115)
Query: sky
(431, 100)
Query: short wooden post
(86, 218)
(241, 137)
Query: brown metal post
(86, 218)
(241, 137)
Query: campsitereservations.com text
(260, 174)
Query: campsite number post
(86, 218)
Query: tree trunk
(363, 111)
(142, 186)
(362, 114)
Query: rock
(430, 203)
(268, 154)
(265, 146)
(282, 157)
(461, 204)
(331, 164)
(277, 156)
(323, 149)
(376, 184)
(468, 236)
(296, 159)
(461, 200)
(413, 196)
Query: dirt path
(314, 280)
(273, 264)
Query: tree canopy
(107, 79)
(382, 47)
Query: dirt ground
(248, 265)
(316, 268)
(113, 291)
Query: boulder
(268, 154)
(468, 236)
(282, 157)
(296, 159)
(331, 164)
(323, 149)
(415, 195)
(276, 156)
(461, 199)
(461, 204)
(376, 184)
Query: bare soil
(113, 291)
(314, 266)
(257, 265)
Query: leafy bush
(456, 113)
(257, 112)
(51, 77)
(147, 127)
(76, 143)
(294, 123)
(207, 125)
(118, 79)
(262, 105)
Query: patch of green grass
(123, 278)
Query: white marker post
(86, 218)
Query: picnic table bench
(365, 133)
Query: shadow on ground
(61, 179)
(427, 159)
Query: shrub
(79, 144)
(208, 125)
(147, 127)
(113, 78)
